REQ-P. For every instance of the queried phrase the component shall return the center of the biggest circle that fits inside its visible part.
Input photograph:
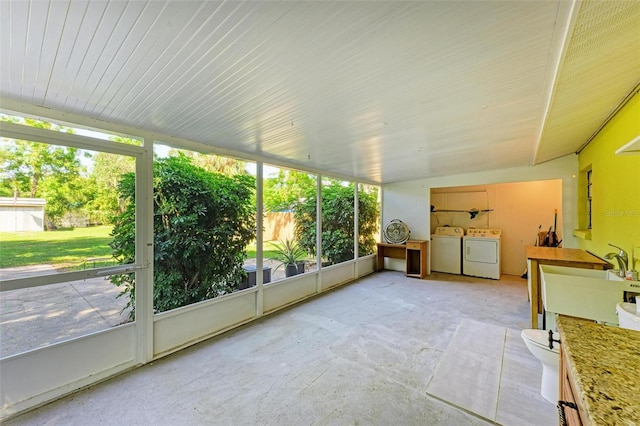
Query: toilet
(629, 315)
(537, 341)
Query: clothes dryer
(446, 249)
(481, 253)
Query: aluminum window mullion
(144, 254)
(319, 232)
(356, 223)
(259, 238)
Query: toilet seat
(540, 338)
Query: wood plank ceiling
(377, 91)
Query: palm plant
(290, 254)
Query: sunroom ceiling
(378, 91)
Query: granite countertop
(605, 364)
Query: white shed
(21, 214)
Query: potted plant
(291, 255)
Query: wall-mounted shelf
(472, 212)
(583, 234)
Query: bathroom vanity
(599, 367)
(537, 256)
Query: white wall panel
(282, 293)
(367, 265)
(175, 329)
(337, 274)
(21, 219)
(408, 202)
(37, 376)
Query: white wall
(411, 201)
(21, 214)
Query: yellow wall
(616, 186)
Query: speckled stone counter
(605, 364)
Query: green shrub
(202, 223)
(337, 222)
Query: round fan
(396, 232)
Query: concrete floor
(362, 354)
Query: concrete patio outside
(36, 317)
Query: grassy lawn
(267, 253)
(61, 248)
(66, 248)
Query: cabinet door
(572, 416)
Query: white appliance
(481, 253)
(446, 249)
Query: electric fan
(396, 232)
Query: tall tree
(283, 191)
(337, 221)
(106, 173)
(39, 170)
(213, 163)
(29, 163)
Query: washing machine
(481, 253)
(446, 249)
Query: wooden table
(536, 256)
(415, 253)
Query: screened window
(204, 226)
(289, 222)
(368, 219)
(58, 208)
(338, 213)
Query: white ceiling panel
(602, 65)
(378, 91)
